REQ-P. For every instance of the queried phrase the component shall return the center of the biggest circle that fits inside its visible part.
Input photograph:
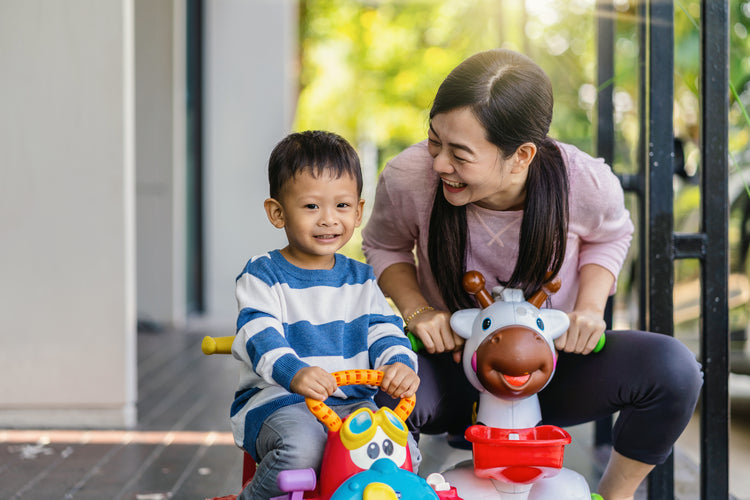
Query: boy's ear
(274, 212)
(360, 212)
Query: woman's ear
(523, 156)
(274, 212)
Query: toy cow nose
(514, 362)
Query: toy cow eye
(486, 323)
(373, 450)
(540, 323)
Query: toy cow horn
(548, 289)
(474, 284)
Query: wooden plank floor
(182, 447)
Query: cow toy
(509, 357)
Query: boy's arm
(259, 341)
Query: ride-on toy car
(366, 455)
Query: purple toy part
(296, 482)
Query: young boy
(306, 311)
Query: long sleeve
(260, 341)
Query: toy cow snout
(509, 349)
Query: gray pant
(290, 438)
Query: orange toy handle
(330, 419)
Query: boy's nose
(328, 218)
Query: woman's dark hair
(511, 96)
(316, 150)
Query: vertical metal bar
(642, 156)
(605, 136)
(605, 46)
(714, 196)
(659, 195)
(194, 166)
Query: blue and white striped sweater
(290, 318)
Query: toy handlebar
(600, 345)
(217, 345)
(330, 419)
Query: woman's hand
(587, 318)
(313, 382)
(586, 327)
(434, 330)
(399, 380)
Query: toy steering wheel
(330, 419)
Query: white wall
(250, 91)
(67, 256)
(160, 160)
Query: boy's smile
(319, 214)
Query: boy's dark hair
(512, 98)
(315, 150)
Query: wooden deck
(183, 449)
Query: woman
(490, 191)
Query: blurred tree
(369, 70)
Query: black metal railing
(659, 246)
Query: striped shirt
(290, 318)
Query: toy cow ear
(461, 321)
(556, 322)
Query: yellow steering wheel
(330, 419)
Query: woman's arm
(587, 318)
(399, 282)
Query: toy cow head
(509, 349)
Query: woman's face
(472, 169)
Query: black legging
(653, 380)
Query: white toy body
(509, 356)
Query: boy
(306, 311)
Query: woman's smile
(452, 186)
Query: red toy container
(517, 455)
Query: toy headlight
(360, 427)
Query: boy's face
(319, 215)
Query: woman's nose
(441, 164)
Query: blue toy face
(384, 480)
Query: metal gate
(659, 244)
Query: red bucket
(518, 454)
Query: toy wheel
(355, 377)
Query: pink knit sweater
(599, 230)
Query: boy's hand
(313, 382)
(399, 380)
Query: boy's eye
(311, 206)
(343, 205)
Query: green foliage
(369, 70)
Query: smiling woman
(501, 197)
